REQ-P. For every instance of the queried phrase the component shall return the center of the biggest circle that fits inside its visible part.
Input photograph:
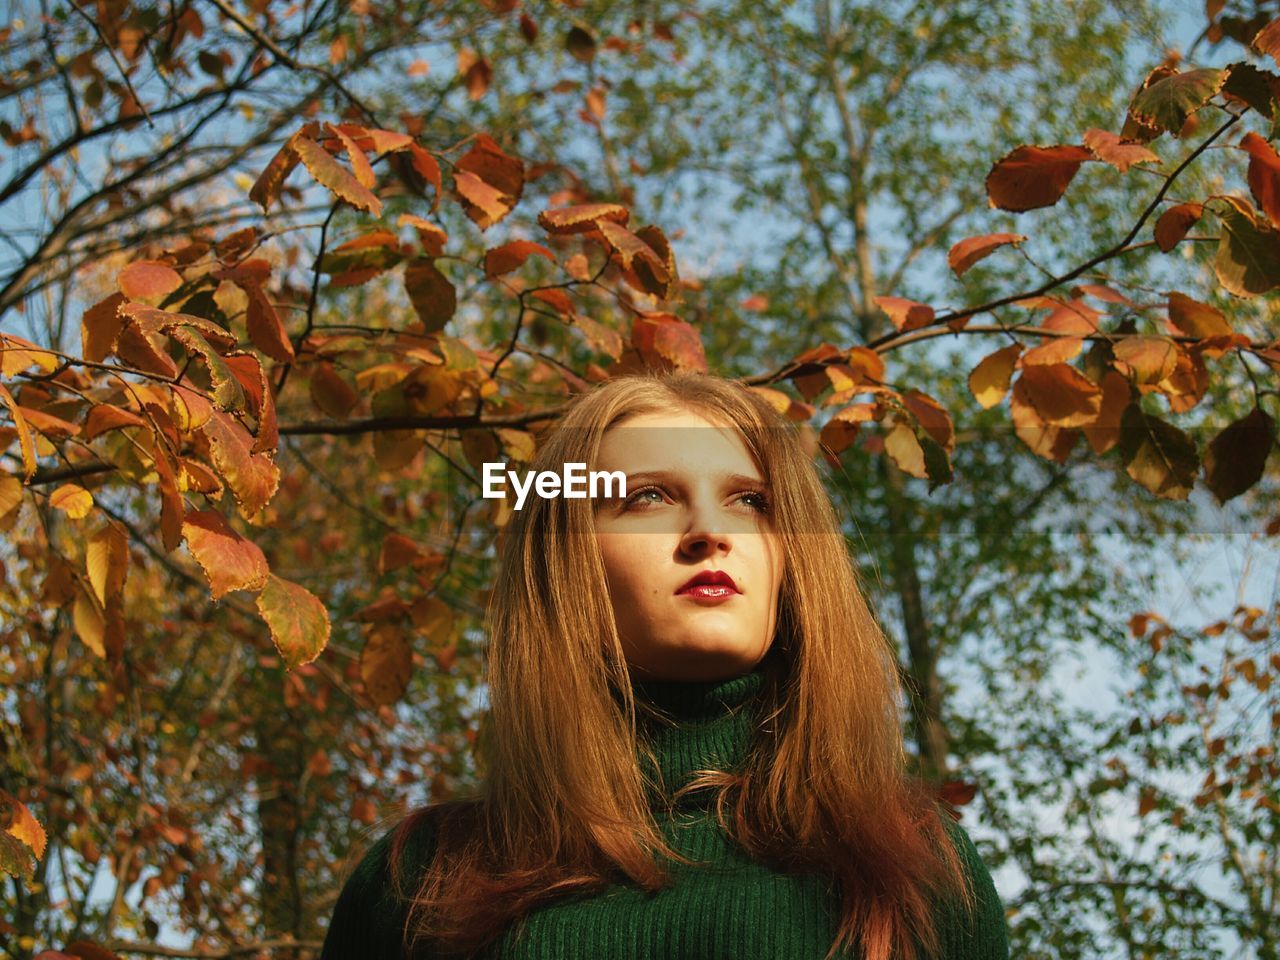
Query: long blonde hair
(562, 806)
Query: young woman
(693, 747)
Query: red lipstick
(709, 585)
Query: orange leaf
(103, 417)
(1110, 148)
(386, 663)
(332, 175)
(266, 189)
(429, 169)
(932, 416)
(967, 252)
(253, 477)
(483, 203)
(230, 562)
(511, 255)
(1267, 40)
(266, 331)
(989, 381)
(148, 280)
(298, 621)
(25, 441)
(1148, 359)
(1196, 319)
(1055, 350)
(1264, 174)
(581, 218)
(1029, 176)
(397, 551)
(668, 343)
(1174, 224)
(1061, 394)
(332, 394)
(1104, 433)
(99, 328)
(72, 499)
(562, 302)
(1044, 439)
(628, 246)
(359, 162)
(905, 314)
(431, 293)
(502, 175)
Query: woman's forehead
(675, 441)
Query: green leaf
(1167, 103)
(1248, 258)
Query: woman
(693, 747)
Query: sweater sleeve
(984, 934)
(366, 922)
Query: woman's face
(696, 503)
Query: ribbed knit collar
(713, 729)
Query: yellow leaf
(73, 500)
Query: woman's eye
(757, 499)
(638, 496)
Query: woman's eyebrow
(733, 478)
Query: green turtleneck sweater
(730, 909)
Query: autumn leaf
(967, 252)
(989, 381)
(72, 499)
(1061, 394)
(398, 551)
(431, 293)
(1236, 457)
(331, 393)
(1168, 102)
(1248, 258)
(25, 441)
(360, 167)
(1174, 223)
(511, 255)
(332, 175)
(1267, 40)
(582, 217)
(1196, 319)
(252, 477)
(668, 343)
(1029, 177)
(905, 314)
(1111, 148)
(103, 417)
(1145, 358)
(298, 621)
(266, 189)
(148, 280)
(1264, 175)
(488, 181)
(266, 331)
(1157, 455)
(386, 663)
(229, 561)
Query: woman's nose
(706, 533)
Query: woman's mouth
(709, 585)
